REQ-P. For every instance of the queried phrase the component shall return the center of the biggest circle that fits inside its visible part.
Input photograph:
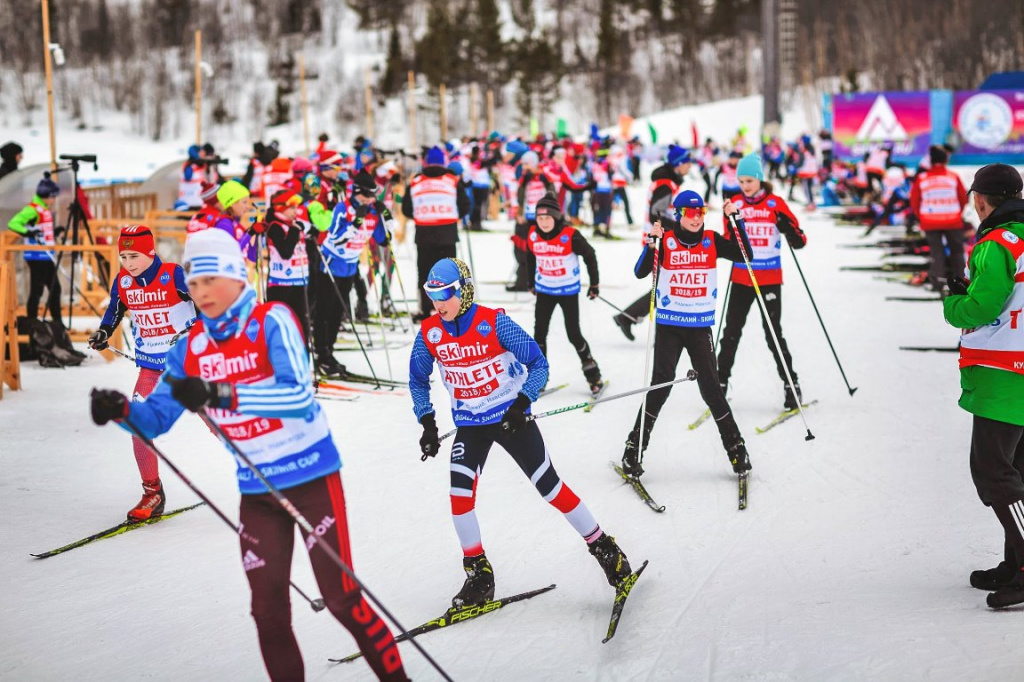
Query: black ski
(914, 299)
(742, 485)
(362, 379)
(456, 616)
(120, 528)
(639, 488)
(621, 593)
(887, 267)
(935, 349)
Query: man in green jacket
(989, 307)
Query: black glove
(195, 394)
(59, 231)
(98, 339)
(515, 416)
(794, 235)
(957, 286)
(308, 228)
(33, 233)
(107, 405)
(593, 291)
(430, 441)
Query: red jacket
(938, 198)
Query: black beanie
(938, 155)
(363, 183)
(10, 150)
(548, 205)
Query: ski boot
(152, 503)
(992, 579)
(1011, 594)
(387, 306)
(328, 366)
(593, 375)
(612, 559)
(479, 585)
(738, 457)
(792, 400)
(626, 325)
(362, 311)
(631, 456)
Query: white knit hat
(214, 253)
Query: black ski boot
(738, 457)
(328, 366)
(479, 585)
(612, 559)
(593, 374)
(991, 579)
(1011, 594)
(362, 311)
(626, 325)
(792, 401)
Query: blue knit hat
(47, 188)
(677, 155)
(435, 157)
(687, 199)
(750, 166)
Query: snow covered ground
(851, 562)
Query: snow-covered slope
(850, 564)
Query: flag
(534, 128)
(696, 137)
(653, 132)
(563, 128)
(625, 123)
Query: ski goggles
(688, 212)
(442, 292)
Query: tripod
(76, 219)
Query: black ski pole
(620, 310)
(293, 511)
(822, 322)
(316, 604)
(344, 304)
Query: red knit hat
(209, 192)
(136, 238)
(285, 198)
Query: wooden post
(412, 112)
(10, 369)
(490, 110)
(444, 113)
(305, 103)
(199, 87)
(474, 122)
(49, 83)
(369, 103)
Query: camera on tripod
(211, 161)
(75, 159)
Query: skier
(157, 297)
(288, 276)
(436, 205)
(35, 224)
(988, 309)
(211, 211)
(938, 199)
(493, 370)
(553, 261)
(533, 185)
(686, 291)
(665, 182)
(246, 362)
(764, 215)
(728, 173)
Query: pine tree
(487, 49)
(434, 51)
(394, 68)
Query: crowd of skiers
(307, 232)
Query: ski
(549, 391)
(887, 267)
(783, 416)
(320, 395)
(346, 346)
(330, 386)
(597, 396)
(621, 593)
(362, 379)
(455, 616)
(638, 488)
(742, 487)
(932, 349)
(120, 528)
(700, 420)
(914, 299)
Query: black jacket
(438, 234)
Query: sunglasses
(693, 212)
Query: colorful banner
(989, 121)
(862, 121)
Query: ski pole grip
(691, 374)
